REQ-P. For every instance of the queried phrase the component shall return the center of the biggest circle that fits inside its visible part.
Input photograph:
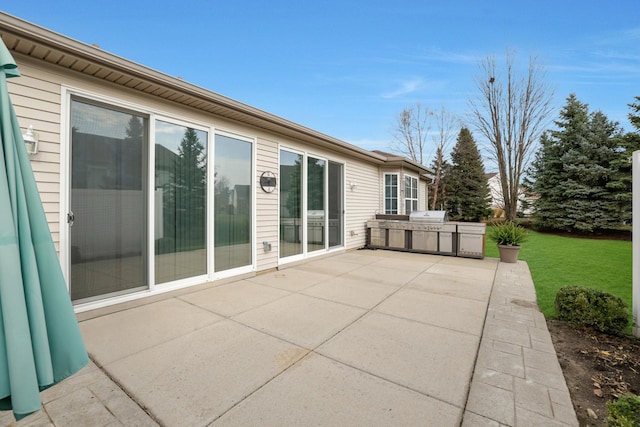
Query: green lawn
(557, 261)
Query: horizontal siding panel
(47, 177)
(40, 115)
(49, 187)
(49, 197)
(27, 83)
(40, 166)
(47, 147)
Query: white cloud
(406, 87)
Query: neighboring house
(150, 183)
(525, 199)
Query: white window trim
(407, 197)
(384, 192)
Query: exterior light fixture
(353, 185)
(31, 141)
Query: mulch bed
(597, 367)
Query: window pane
(336, 195)
(232, 216)
(290, 204)
(180, 202)
(109, 149)
(315, 204)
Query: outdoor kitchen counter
(427, 232)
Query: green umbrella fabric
(40, 340)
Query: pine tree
(572, 171)
(622, 180)
(438, 193)
(467, 191)
(189, 192)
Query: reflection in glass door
(315, 204)
(108, 196)
(290, 204)
(233, 210)
(336, 210)
(180, 202)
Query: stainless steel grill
(427, 232)
(431, 217)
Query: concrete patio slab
(432, 360)
(460, 314)
(316, 345)
(234, 298)
(462, 271)
(321, 391)
(470, 288)
(386, 275)
(127, 332)
(292, 279)
(300, 319)
(193, 379)
(351, 291)
(333, 266)
(406, 261)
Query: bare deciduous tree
(511, 112)
(411, 132)
(445, 123)
(420, 130)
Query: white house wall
(37, 97)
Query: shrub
(624, 411)
(508, 233)
(592, 307)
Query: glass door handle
(70, 218)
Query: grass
(557, 261)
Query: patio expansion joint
(124, 390)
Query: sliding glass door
(336, 206)
(316, 214)
(107, 213)
(318, 223)
(290, 204)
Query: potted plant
(508, 236)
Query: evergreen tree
(438, 191)
(189, 192)
(573, 169)
(467, 191)
(622, 180)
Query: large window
(180, 202)
(390, 193)
(233, 210)
(410, 194)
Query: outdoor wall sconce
(353, 185)
(266, 246)
(31, 141)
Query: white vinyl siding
(36, 101)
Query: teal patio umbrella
(40, 341)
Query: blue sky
(347, 68)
